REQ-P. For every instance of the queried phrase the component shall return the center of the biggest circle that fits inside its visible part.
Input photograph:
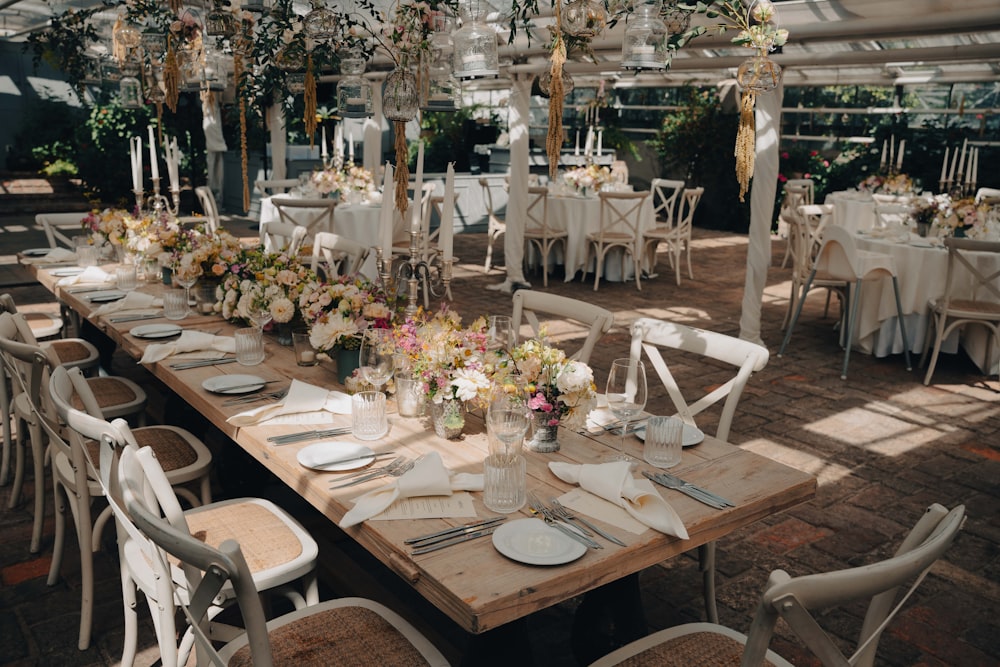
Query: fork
(394, 469)
(563, 512)
(675, 484)
(273, 395)
(538, 508)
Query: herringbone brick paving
(881, 444)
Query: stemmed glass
(500, 334)
(378, 349)
(508, 416)
(186, 275)
(259, 312)
(626, 392)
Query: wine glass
(626, 392)
(508, 416)
(186, 275)
(259, 312)
(500, 334)
(378, 349)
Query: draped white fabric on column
(279, 143)
(762, 192)
(373, 131)
(517, 202)
(215, 143)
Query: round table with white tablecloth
(921, 267)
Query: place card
(430, 507)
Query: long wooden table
(473, 583)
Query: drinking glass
(508, 416)
(664, 438)
(186, 275)
(125, 277)
(259, 312)
(626, 392)
(175, 305)
(249, 346)
(504, 470)
(368, 420)
(500, 334)
(378, 348)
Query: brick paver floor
(882, 445)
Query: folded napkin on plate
(614, 482)
(91, 275)
(428, 477)
(54, 256)
(190, 341)
(132, 301)
(301, 397)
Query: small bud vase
(448, 418)
(545, 434)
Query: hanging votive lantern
(321, 23)
(291, 58)
(295, 83)
(644, 45)
(215, 72)
(354, 94)
(220, 23)
(154, 44)
(443, 91)
(475, 43)
(156, 90)
(545, 82)
(585, 19)
(399, 93)
(759, 74)
(127, 35)
(130, 92)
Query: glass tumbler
(175, 304)
(125, 277)
(368, 421)
(664, 437)
(409, 398)
(249, 346)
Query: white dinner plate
(318, 456)
(36, 252)
(106, 296)
(155, 330)
(534, 542)
(692, 435)
(67, 271)
(233, 384)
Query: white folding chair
(208, 207)
(794, 599)
(341, 255)
(650, 335)
(597, 321)
(840, 260)
(276, 235)
(316, 215)
(60, 227)
(496, 227)
(621, 227)
(971, 297)
(537, 231)
(320, 634)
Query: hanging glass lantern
(291, 58)
(295, 83)
(130, 92)
(156, 89)
(154, 44)
(354, 94)
(399, 93)
(475, 43)
(321, 23)
(443, 91)
(215, 72)
(127, 35)
(644, 45)
(585, 19)
(759, 74)
(545, 82)
(110, 71)
(219, 22)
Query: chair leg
(20, 445)
(939, 320)
(706, 563)
(85, 537)
(38, 458)
(489, 253)
(850, 328)
(902, 325)
(798, 311)
(131, 641)
(8, 432)
(687, 250)
(61, 497)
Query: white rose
(574, 377)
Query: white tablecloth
(358, 222)
(852, 210)
(921, 271)
(580, 216)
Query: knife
(453, 541)
(454, 531)
(335, 462)
(226, 390)
(687, 491)
(199, 364)
(134, 318)
(291, 438)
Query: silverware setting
(253, 398)
(448, 533)
(247, 384)
(691, 490)
(451, 541)
(396, 468)
(133, 318)
(563, 512)
(203, 362)
(633, 426)
(290, 438)
(334, 462)
(538, 508)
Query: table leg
(609, 617)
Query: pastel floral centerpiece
(338, 313)
(351, 180)
(562, 390)
(157, 238)
(590, 177)
(259, 279)
(892, 184)
(963, 217)
(107, 226)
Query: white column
(517, 204)
(373, 131)
(762, 193)
(279, 143)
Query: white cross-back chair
(337, 255)
(798, 192)
(529, 304)
(276, 235)
(75, 485)
(621, 227)
(537, 231)
(269, 188)
(988, 194)
(320, 634)
(677, 237)
(652, 336)
(403, 224)
(316, 215)
(59, 228)
(208, 207)
(840, 260)
(805, 234)
(666, 195)
(496, 226)
(971, 297)
(795, 600)
(891, 218)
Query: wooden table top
(473, 583)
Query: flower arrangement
(449, 360)
(159, 238)
(259, 279)
(926, 209)
(410, 28)
(559, 387)
(351, 178)
(109, 225)
(894, 184)
(590, 176)
(963, 217)
(339, 312)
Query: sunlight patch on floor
(824, 471)
(675, 314)
(881, 428)
(13, 229)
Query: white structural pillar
(762, 191)
(517, 203)
(279, 142)
(372, 158)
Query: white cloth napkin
(301, 397)
(54, 256)
(428, 477)
(614, 482)
(189, 341)
(132, 301)
(90, 275)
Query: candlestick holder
(418, 271)
(175, 196)
(140, 199)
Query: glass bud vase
(448, 418)
(399, 94)
(544, 437)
